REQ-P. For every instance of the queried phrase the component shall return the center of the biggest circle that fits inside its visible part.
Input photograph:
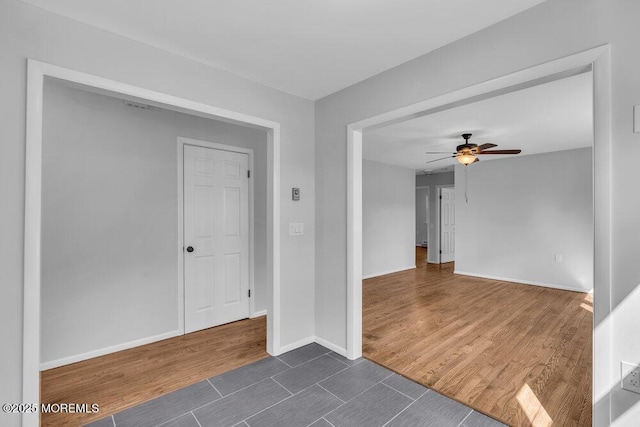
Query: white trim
(107, 350)
(599, 58)
(36, 73)
(181, 142)
(354, 243)
(341, 351)
(314, 339)
(438, 225)
(258, 314)
(382, 273)
(524, 282)
(273, 235)
(297, 344)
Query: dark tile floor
(310, 386)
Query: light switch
(636, 118)
(296, 228)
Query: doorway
(38, 72)
(599, 60)
(216, 223)
(447, 198)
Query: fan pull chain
(466, 184)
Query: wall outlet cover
(630, 376)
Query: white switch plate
(636, 118)
(558, 257)
(296, 228)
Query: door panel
(216, 226)
(447, 224)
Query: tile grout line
(318, 357)
(359, 394)
(306, 361)
(403, 393)
(301, 391)
(208, 403)
(287, 390)
(113, 420)
(340, 371)
(465, 418)
(171, 419)
(278, 357)
(194, 417)
(240, 389)
(330, 423)
(318, 384)
(362, 359)
(270, 406)
(214, 387)
(407, 407)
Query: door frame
(439, 217)
(181, 142)
(37, 72)
(599, 59)
(427, 209)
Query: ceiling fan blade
(438, 152)
(437, 160)
(501, 152)
(485, 146)
(476, 160)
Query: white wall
(110, 215)
(551, 30)
(433, 182)
(29, 32)
(521, 212)
(388, 218)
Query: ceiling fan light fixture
(466, 158)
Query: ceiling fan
(466, 153)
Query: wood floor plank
(519, 353)
(124, 379)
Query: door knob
(189, 248)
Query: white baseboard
(107, 350)
(308, 340)
(382, 273)
(341, 351)
(525, 282)
(258, 314)
(297, 344)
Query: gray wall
(521, 212)
(388, 218)
(433, 182)
(551, 30)
(29, 32)
(110, 215)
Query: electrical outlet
(630, 377)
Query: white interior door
(216, 237)
(447, 224)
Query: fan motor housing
(466, 148)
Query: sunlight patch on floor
(588, 303)
(532, 407)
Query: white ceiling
(549, 117)
(309, 48)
